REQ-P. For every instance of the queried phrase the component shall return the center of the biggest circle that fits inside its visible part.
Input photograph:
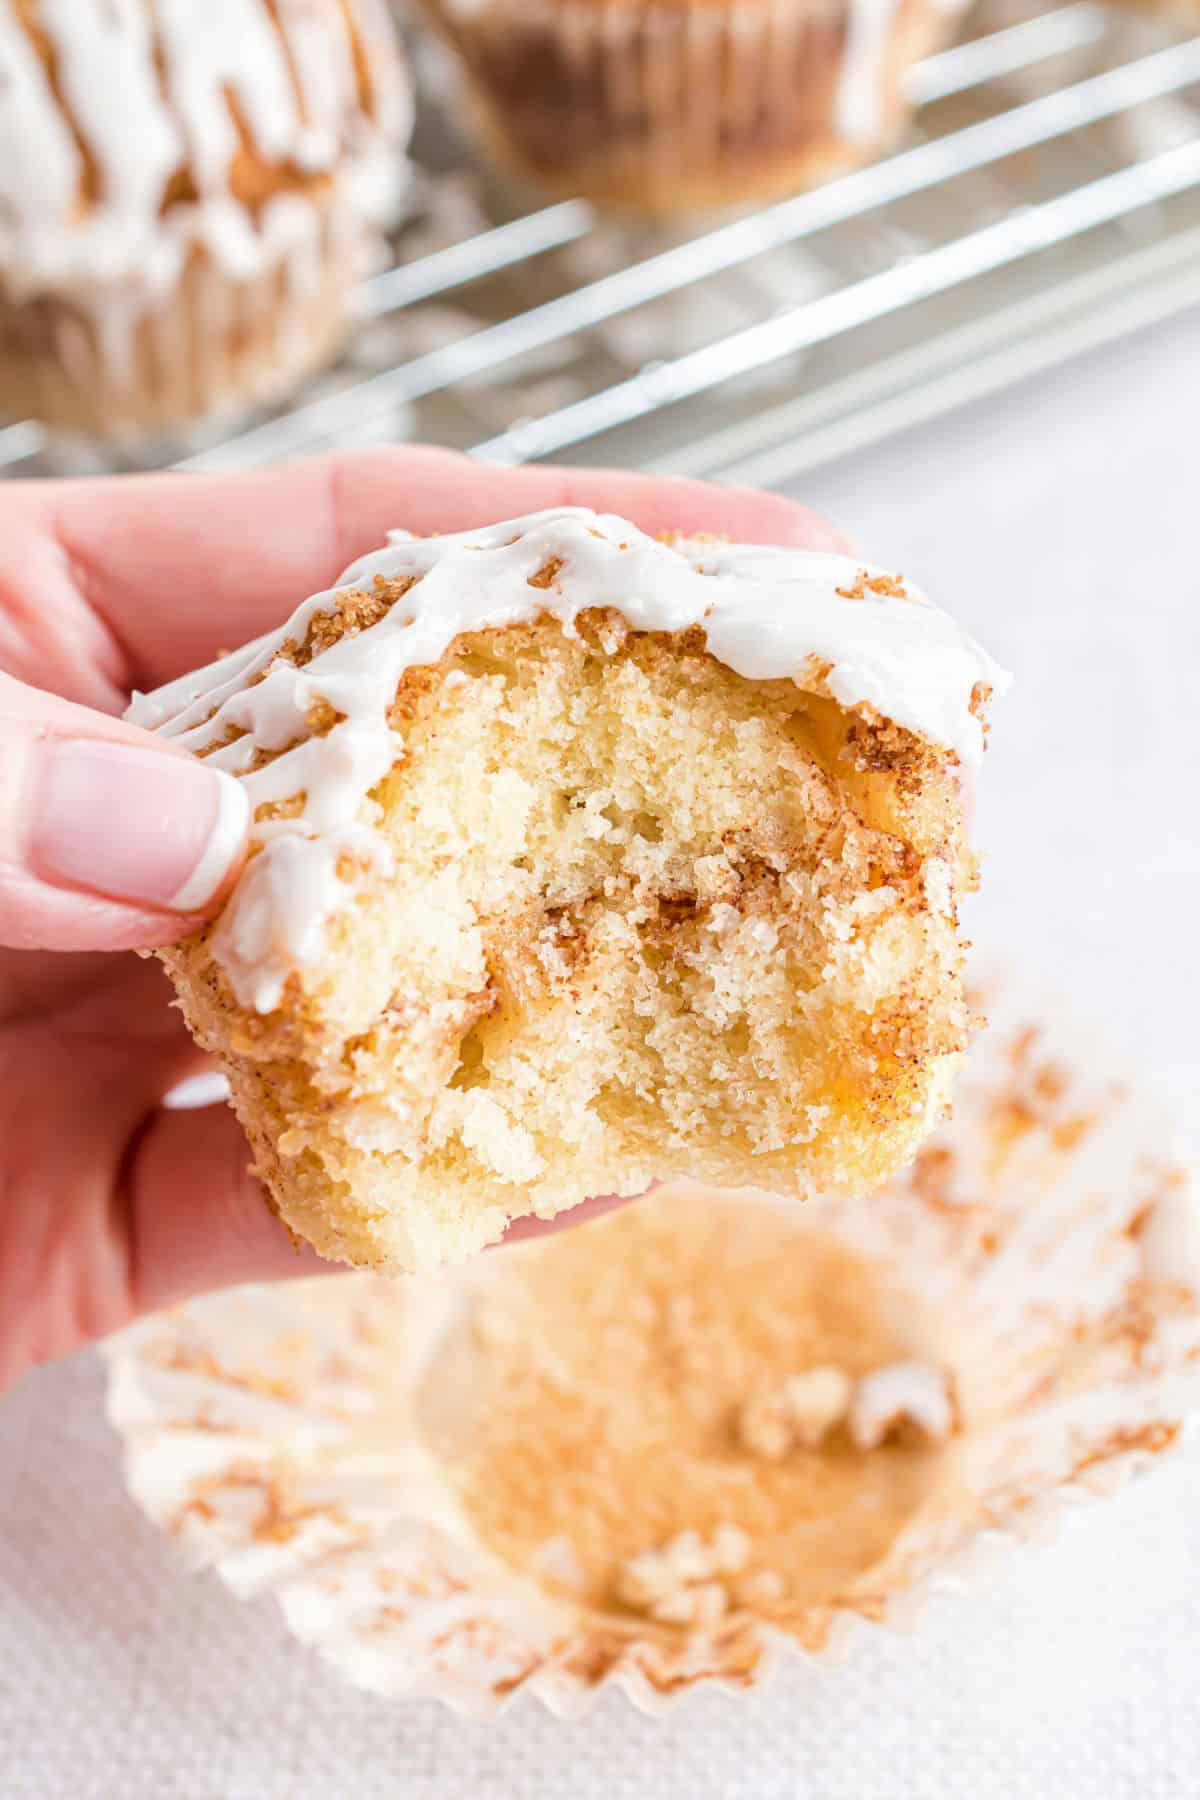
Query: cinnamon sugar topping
(891, 586)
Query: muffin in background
(187, 197)
(663, 106)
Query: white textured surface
(1057, 524)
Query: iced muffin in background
(187, 197)
(661, 106)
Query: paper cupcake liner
(1047, 1236)
(659, 107)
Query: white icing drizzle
(858, 108)
(863, 87)
(33, 185)
(765, 612)
(124, 250)
(910, 1393)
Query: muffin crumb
(761, 1590)
(802, 1410)
(682, 1582)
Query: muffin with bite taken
(581, 860)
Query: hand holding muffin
(113, 1205)
(582, 859)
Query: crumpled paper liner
(1047, 1229)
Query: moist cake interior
(642, 917)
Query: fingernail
(135, 825)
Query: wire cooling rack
(1047, 199)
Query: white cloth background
(1060, 522)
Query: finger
(109, 840)
(92, 1000)
(179, 567)
(195, 1217)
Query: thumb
(109, 839)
